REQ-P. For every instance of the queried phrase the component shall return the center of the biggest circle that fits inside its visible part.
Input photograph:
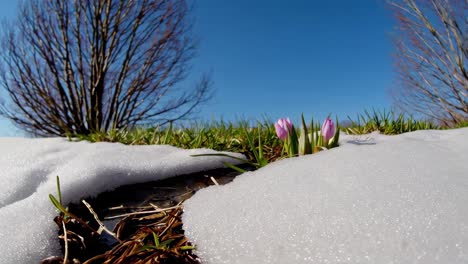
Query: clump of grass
(462, 124)
(79, 238)
(152, 235)
(258, 142)
(158, 239)
(386, 122)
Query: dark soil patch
(145, 233)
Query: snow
(28, 175)
(374, 199)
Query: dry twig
(101, 225)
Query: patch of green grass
(386, 122)
(462, 124)
(258, 140)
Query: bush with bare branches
(432, 55)
(81, 66)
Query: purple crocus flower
(283, 127)
(328, 130)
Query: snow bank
(28, 171)
(375, 199)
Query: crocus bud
(283, 126)
(328, 130)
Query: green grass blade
(57, 204)
(304, 145)
(225, 155)
(165, 244)
(183, 248)
(234, 167)
(168, 134)
(156, 240)
(59, 192)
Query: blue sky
(284, 58)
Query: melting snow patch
(374, 199)
(28, 174)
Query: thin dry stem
(101, 225)
(65, 239)
(143, 212)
